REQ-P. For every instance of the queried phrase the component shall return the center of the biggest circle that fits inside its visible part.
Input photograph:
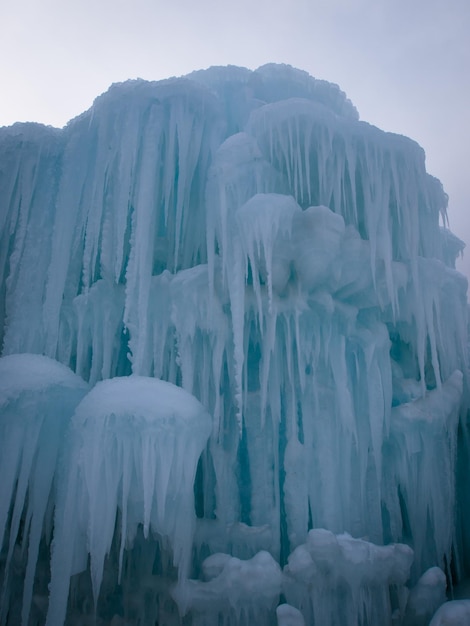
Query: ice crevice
(234, 375)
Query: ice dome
(260, 292)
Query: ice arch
(133, 452)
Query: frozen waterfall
(234, 377)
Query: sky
(405, 64)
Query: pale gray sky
(404, 63)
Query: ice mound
(237, 591)
(289, 616)
(337, 579)
(454, 613)
(426, 596)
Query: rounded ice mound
(453, 613)
(426, 597)
(24, 374)
(136, 399)
(232, 586)
(134, 448)
(289, 616)
(37, 399)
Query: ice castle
(234, 379)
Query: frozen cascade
(233, 244)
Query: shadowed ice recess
(234, 376)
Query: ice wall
(243, 236)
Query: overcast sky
(405, 64)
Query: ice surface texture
(241, 235)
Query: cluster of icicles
(256, 290)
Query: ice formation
(135, 444)
(37, 399)
(426, 597)
(454, 613)
(257, 290)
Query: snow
(260, 293)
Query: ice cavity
(37, 399)
(134, 448)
